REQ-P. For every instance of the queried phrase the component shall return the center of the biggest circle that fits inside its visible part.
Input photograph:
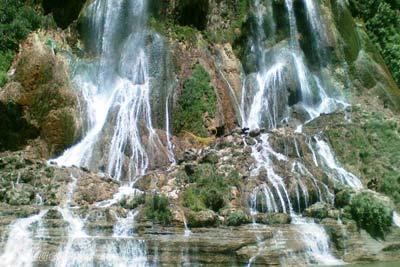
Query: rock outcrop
(40, 99)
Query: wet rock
(250, 141)
(255, 132)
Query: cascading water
(125, 250)
(21, 249)
(79, 249)
(116, 90)
(277, 199)
(329, 162)
(263, 103)
(396, 219)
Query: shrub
(157, 209)
(371, 214)
(237, 218)
(197, 99)
(210, 189)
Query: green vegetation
(133, 202)
(18, 18)
(382, 20)
(371, 214)
(198, 99)
(236, 14)
(237, 218)
(156, 208)
(371, 145)
(175, 31)
(209, 189)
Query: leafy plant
(371, 214)
(157, 209)
(209, 189)
(237, 218)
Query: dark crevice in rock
(193, 13)
(64, 14)
(15, 131)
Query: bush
(210, 189)
(371, 214)
(237, 218)
(197, 99)
(157, 209)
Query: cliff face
(276, 113)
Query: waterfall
(125, 249)
(276, 197)
(79, 249)
(316, 241)
(21, 249)
(396, 219)
(116, 90)
(338, 173)
(272, 195)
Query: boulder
(204, 218)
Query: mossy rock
(204, 218)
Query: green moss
(156, 208)
(371, 214)
(197, 99)
(133, 202)
(5, 63)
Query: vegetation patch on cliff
(370, 145)
(382, 20)
(196, 104)
(209, 189)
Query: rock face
(40, 98)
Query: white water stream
(396, 219)
(21, 249)
(80, 249)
